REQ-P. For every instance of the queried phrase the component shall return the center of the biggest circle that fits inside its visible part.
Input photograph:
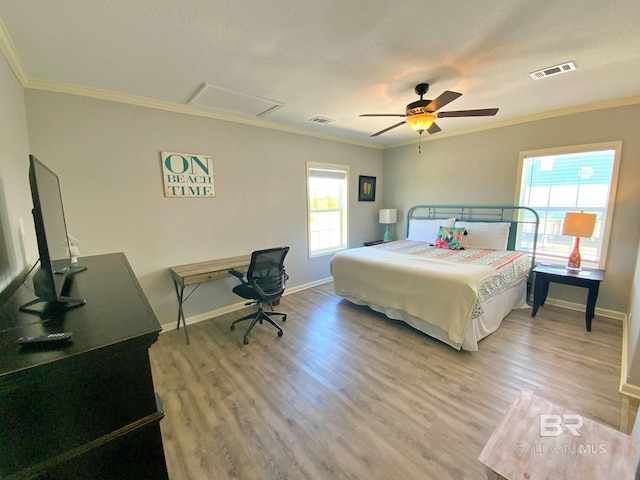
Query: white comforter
(442, 293)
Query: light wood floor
(348, 394)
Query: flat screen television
(51, 280)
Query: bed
(455, 276)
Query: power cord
(24, 279)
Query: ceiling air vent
(321, 120)
(555, 70)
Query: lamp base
(574, 256)
(387, 235)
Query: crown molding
(109, 95)
(11, 54)
(618, 102)
(15, 62)
(103, 94)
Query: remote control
(41, 339)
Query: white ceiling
(335, 58)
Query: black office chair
(264, 283)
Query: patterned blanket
(511, 265)
(441, 293)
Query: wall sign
(187, 175)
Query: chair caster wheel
(284, 318)
(280, 334)
(233, 327)
(245, 341)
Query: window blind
(554, 184)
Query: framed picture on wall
(367, 189)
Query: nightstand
(546, 274)
(371, 244)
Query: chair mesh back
(267, 270)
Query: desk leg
(180, 295)
(591, 303)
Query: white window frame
(616, 146)
(343, 208)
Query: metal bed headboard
(523, 220)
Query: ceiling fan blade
(484, 112)
(433, 128)
(383, 115)
(445, 98)
(387, 129)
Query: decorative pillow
(426, 230)
(493, 235)
(450, 238)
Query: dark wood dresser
(87, 409)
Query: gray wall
(482, 168)
(107, 156)
(16, 250)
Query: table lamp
(388, 216)
(577, 224)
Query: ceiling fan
(420, 115)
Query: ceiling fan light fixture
(420, 122)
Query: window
(327, 208)
(570, 179)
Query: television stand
(63, 303)
(86, 409)
(72, 269)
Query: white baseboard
(299, 288)
(580, 307)
(550, 301)
(626, 388)
(630, 390)
(237, 306)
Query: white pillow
(493, 235)
(426, 230)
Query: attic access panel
(218, 98)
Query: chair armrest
(237, 274)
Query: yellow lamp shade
(578, 224)
(421, 121)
